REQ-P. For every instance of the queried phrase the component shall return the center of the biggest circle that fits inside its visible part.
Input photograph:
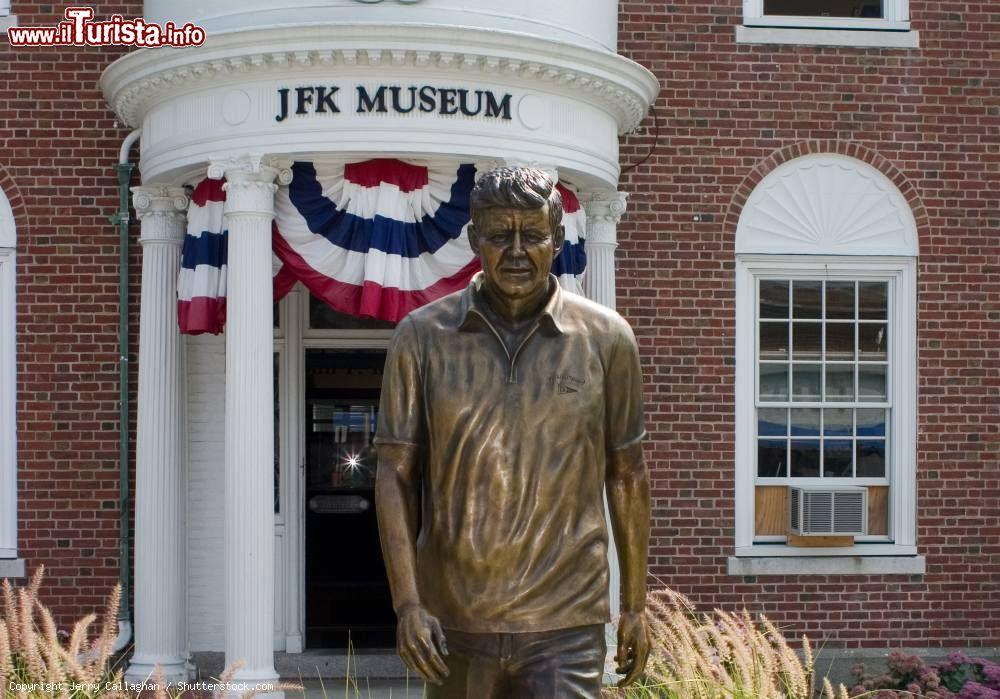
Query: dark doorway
(347, 593)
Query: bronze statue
(507, 410)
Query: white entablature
(560, 103)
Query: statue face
(516, 248)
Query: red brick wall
(932, 113)
(930, 119)
(58, 147)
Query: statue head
(516, 229)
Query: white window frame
(9, 563)
(891, 31)
(900, 272)
(897, 18)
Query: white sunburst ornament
(826, 204)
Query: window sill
(12, 567)
(827, 37)
(826, 565)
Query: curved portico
(342, 82)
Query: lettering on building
(395, 99)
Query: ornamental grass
(38, 661)
(723, 655)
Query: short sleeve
(624, 422)
(400, 414)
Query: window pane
(840, 300)
(825, 8)
(771, 458)
(840, 342)
(806, 340)
(871, 422)
(871, 458)
(839, 382)
(806, 299)
(774, 340)
(277, 316)
(871, 382)
(805, 458)
(837, 422)
(872, 300)
(773, 298)
(805, 381)
(805, 421)
(872, 341)
(837, 458)
(772, 422)
(774, 382)
(322, 317)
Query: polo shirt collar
(473, 304)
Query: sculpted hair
(516, 188)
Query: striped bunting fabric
(373, 239)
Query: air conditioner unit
(828, 510)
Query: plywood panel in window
(878, 509)
(770, 510)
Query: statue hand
(633, 646)
(421, 644)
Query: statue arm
(628, 504)
(397, 487)
(419, 637)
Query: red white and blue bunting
(372, 239)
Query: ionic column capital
(162, 212)
(604, 205)
(251, 181)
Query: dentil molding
(135, 82)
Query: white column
(160, 629)
(604, 209)
(249, 465)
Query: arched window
(826, 250)
(9, 565)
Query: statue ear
(473, 234)
(558, 238)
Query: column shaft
(160, 629)
(249, 476)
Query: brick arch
(848, 148)
(9, 189)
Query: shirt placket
(511, 358)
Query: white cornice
(622, 87)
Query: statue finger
(433, 658)
(424, 667)
(437, 635)
(632, 675)
(407, 657)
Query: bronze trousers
(561, 664)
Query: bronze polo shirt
(513, 452)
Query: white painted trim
(290, 520)
(826, 204)
(901, 470)
(11, 567)
(143, 78)
(827, 565)
(8, 392)
(7, 21)
(800, 36)
(834, 23)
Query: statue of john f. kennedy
(508, 409)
